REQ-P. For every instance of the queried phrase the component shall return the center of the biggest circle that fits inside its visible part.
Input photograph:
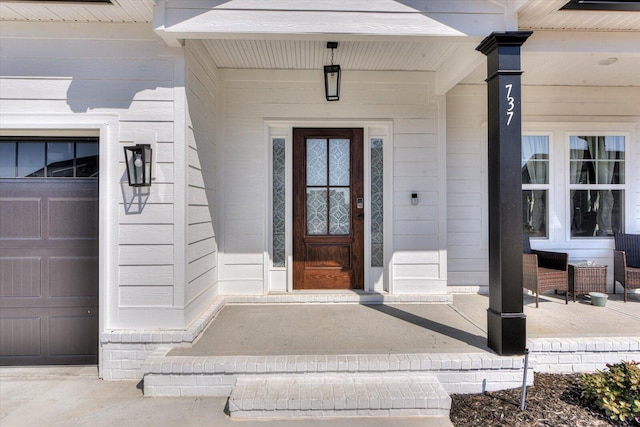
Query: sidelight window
(279, 201)
(377, 205)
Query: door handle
(360, 215)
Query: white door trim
(375, 280)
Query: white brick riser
(216, 376)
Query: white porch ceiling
(313, 54)
(546, 15)
(570, 69)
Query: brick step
(338, 395)
(216, 375)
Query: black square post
(505, 317)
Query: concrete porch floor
(74, 396)
(306, 329)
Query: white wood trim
(268, 222)
(221, 23)
(271, 272)
(366, 188)
(220, 179)
(442, 187)
(405, 7)
(387, 240)
(180, 182)
(278, 18)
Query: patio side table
(585, 277)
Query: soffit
(570, 69)
(313, 54)
(50, 11)
(546, 15)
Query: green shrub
(616, 390)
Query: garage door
(48, 251)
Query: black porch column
(505, 317)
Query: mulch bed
(554, 400)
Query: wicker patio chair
(626, 262)
(544, 271)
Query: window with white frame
(596, 185)
(535, 184)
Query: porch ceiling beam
(458, 66)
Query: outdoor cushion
(630, 244)
(526, 244)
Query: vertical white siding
(77, 70)
(554, 110)
(406, 99)
(202, 87)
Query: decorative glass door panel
(328, 209)
(328, 187)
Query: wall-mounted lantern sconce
(138, 158)
(332, 76)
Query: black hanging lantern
(138, 158)
(332, 76)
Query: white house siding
(75, 71)
(202, 89)
(405, 99)
(555, 110)
(467, 212)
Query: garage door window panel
(49, 158)
(7, 160)
(31, 157)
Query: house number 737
(510, 103)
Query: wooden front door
(328, 209)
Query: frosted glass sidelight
(279, 202)
(377, 206)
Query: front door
(328, 209)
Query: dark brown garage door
(48, 252)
